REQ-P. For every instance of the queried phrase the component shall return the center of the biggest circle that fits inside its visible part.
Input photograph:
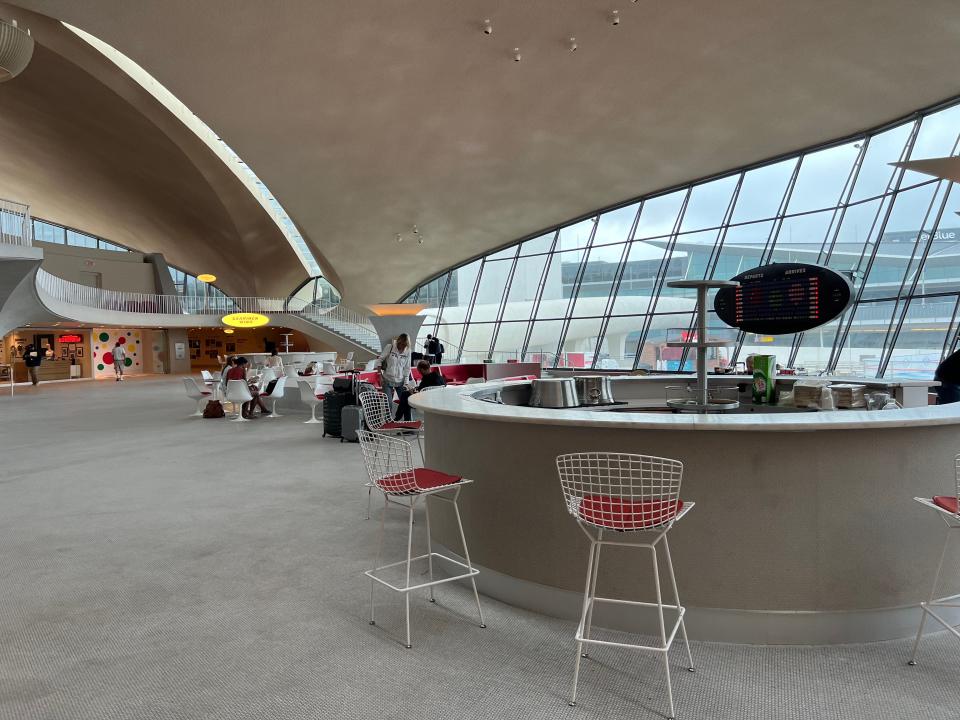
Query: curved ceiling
(86, 147)
(367, 117)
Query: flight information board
(783, 298)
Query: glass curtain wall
(593, 293)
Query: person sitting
(231, 362)
(274, 361)
(429, 377)
(948, 375)
(312, 368)
(239, 372)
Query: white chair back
(238, 392)
(371, 365)
(329, 368)
(621, 491)
(206, 375)
(350, 356)
(194, 392)
(308, 392)
(376, 408)
(389, 462)
(278, 388)
(266, 375)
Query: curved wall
(593, 292)
(85, 146)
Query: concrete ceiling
(366, 117)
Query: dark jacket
(32, 357)
(431, 379)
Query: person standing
(32, 358)
(948, 375)
(119, 355)
(434, 349)
(394, 364)
(274, 361)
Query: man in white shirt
(119, 355)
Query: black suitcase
(333, 404)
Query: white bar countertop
(458, 402)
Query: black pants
(948, 393)
(403, 409)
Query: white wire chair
(389, 465)
(377, 412)
(948, 507)
(625, 493)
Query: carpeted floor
(154, 566)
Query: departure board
(783, 298)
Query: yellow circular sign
(207, 278)
(245, 320)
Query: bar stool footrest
(681, 611)
(471, 572)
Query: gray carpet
(155, 566)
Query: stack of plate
(805, 395)
(847, 395)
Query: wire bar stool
(611, 494)
(948, 508)
(389, 465)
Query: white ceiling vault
(365, 117)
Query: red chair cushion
(947, 502)
(623, 514)
(206, 392)
(402, 425)
(425, 479)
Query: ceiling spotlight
(419, 240)
(487, 27)
(516, 55)
(615, 17)
(573, 44)
(16, 49)
(399, 238)
(415, 230)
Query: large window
(593, 292)
(46, 231)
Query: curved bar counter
(804, 530)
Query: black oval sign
(783, 298)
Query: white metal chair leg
(933, 595)
(593, 590)
(406, 595)
(676, 599)
(663, 631)
(199, 411)
(273, 409)
(466, 556)
(376, 561)
(426, 507)
(369, 494)
(583, 620)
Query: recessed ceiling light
(573, 44)
(487, 27)
(516, 55)
(207, 278)
(615, 17)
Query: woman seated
(429, 377)
(311, 369)
(239, 372)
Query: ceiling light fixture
(207, 278)
(16, 49)
(516, 55)
(573, 44)
(228, 331)
(487, 27)
(615, 17)
(399, 238)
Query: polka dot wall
(105, 339)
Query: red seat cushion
(619, 513)
(206, 392)
(423, 478)
(947, 502)
(402, 425)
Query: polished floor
(155, 566)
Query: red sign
(71, 338)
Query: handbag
(214, 409)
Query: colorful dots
(108, 357)
(128, 362)
(100, 367)
(131, 348)
(104, 336)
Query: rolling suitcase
(351, 421)
(333, 403)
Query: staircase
(345, 322)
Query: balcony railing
(15, 225)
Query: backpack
(442, 349)
(213, 409)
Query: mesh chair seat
(423, 479)
(402, 425)
(617, 513)
(947, 502)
